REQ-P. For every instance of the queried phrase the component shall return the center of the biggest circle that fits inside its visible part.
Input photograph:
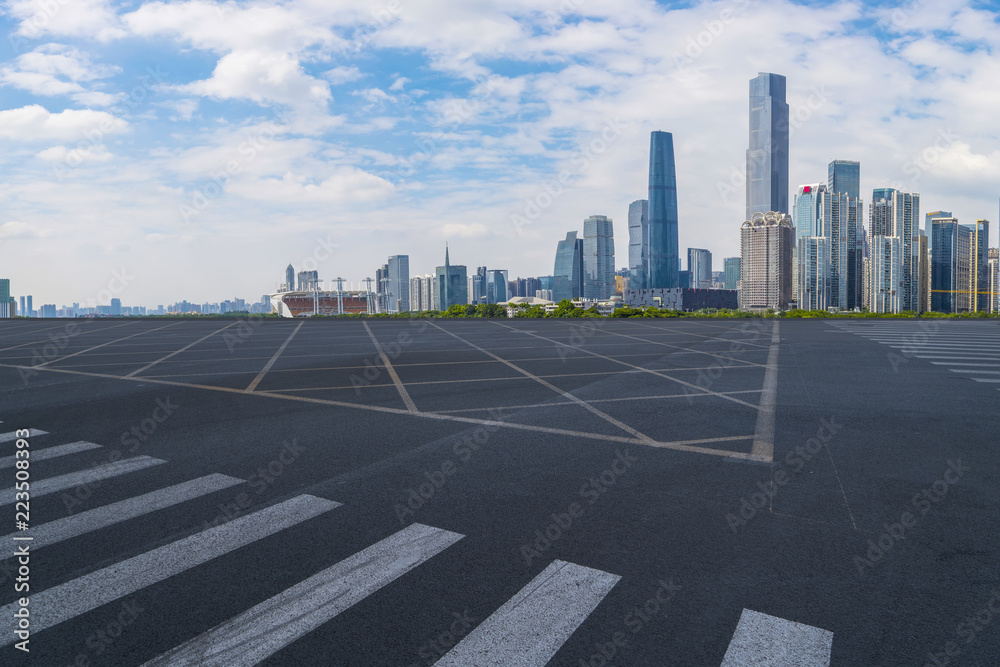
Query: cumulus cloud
(36, 123)
(56, 69)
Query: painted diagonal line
(55, 605)
(186, 347)
(7, 437)
(689, 350)
(405, 395)
(81, 333)
(763, 439)
(565, 394)
(691, 333)
(397, 411)
(531, 627)
(761, 639)
(642, 369)
(258, 633)
(50, 452)
(109, 515)
(110, 342)
(267, 367)
(97, 473)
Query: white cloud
(344, 74)
(20, 230)
(35, 123)
(95, 19)
(75, 156)
(56, 69)
(345, 185)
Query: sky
(163, 151)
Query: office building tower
(806, 209)
(767, 156)
(116, 307)
(452, 285)
(598, 258)
(638, 243)
(398, 294)
(844, 177)
(21, 312)
(30, 312)
(814, 273)
(897, 214)
(924, 253)
(700, 266)
(929, 219)
(952, 262)
(993, 272)
(477, 288)
(496, 286)
(732, 272)
(289, 279)
(8, 306)
(663, 257)
(980, 266)
(567, 275)
(766, 244)
(840, 223)
(308, 281)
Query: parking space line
(410, 405)
(96, 347)
(761, 639)
(763, 440)
(190, 345)
(267, 367)
(565, 394)
(49, 340)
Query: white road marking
(78, 596)
(108, 515)
(261, 631)
(761, 639)
(763, 440)
(100, 472)
(50, 452)
(176, 352)
(531, 627)
(405, 395)
(97, 347)
(267, 367)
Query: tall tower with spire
(452, 283)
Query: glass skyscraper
(452, 284)
(567, 275)
(767, 156)
(700, 267)
(399, 284)
(844, 178)
(638, 244)
(732, 272)
(598, 257)
(664, 250)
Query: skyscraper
(980, 265)
(638, 243)
(844, 177)
(398, 293)
(452, 285)
(953, 266)
(598, 258)
(700, 266)
(767, 156)
(886, 274)
(664, 248)
(478, 291)
(766, 261)
(993, 267)
(732, 272)
(806, 211)
(840, 223)
(30, 312)
(289, 278)
(897, 214)
(7, 306)
(21, 312)
(567, 275)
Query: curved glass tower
(767, 157)
(664, 253)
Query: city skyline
(333, 138)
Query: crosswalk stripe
(761, 639)
(530, 627)
(7, 437)
(50, 452)
(973, 370)
(130, 508)
(261, 631)
(81, 477)
(55, 605)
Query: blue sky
(202, 146)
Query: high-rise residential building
(767, 156)
(993, 268)
(700, 266)
(116, 306)
(980, 265)
(886, 274)
(598, 258)
(664, 262)
(567, 275)
(841, 224)
(897, 214)
(289, 279)
(398, 293)
(954, 266)
(732, 272)
(638, 243)
(844, 177)
(452, 286)
(382, 289)
(766, 243)
(416, 295)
